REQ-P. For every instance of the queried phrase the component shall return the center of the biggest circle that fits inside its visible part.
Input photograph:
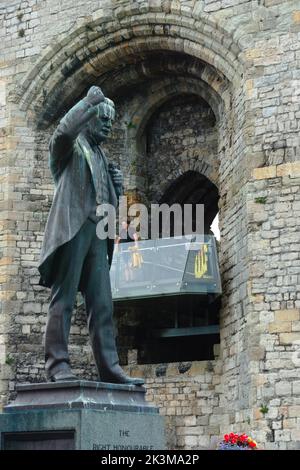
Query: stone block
(295, 433)
(289, 169)
(277, 425)
(296, 388)
(264, 172)
(283, 388)
(293, 411)
(296, 16)
(25, 329)
(296, 326)
(280, 327)
(289, 423)
(190, 420)
(287, 315)
(191, 441)
(288, 338)
(283, 435)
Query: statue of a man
(73, 257)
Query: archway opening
(183, 327)
(178, 164)
(151, 89)
(193, 188)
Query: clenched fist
(95, 96)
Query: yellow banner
(201, 262)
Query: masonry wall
(188, 396)
(181, 133)
(242, 57)
(273, 202)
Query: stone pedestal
(81, 415)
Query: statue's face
(100, 126)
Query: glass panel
(166, 266)
(171, 257)
(133, 274)
(202, 270)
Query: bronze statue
(73, 257)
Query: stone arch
(195, 156)
(165, 92)
(100, 43)
(52, 103)
(139, 113)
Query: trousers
(81, 264)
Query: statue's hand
(116, 175)
(95, 96)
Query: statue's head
(100, 125)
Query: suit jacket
(74, 196)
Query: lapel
(87, 153)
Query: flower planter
(234, 441)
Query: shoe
(62, 376)
(118, 376)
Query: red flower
(252, 444)
(241, 440)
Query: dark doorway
(193, 188)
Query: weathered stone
(289, 169)
(283, 388)
(280, 327)
(288, 338)
(184, 63)
(287, 315)
(264, 172)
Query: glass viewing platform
(165, 267)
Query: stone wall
(181, 136)
(274, 204)
(242, 58)
(187, 394)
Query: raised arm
(62, 141)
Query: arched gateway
(199, 87)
